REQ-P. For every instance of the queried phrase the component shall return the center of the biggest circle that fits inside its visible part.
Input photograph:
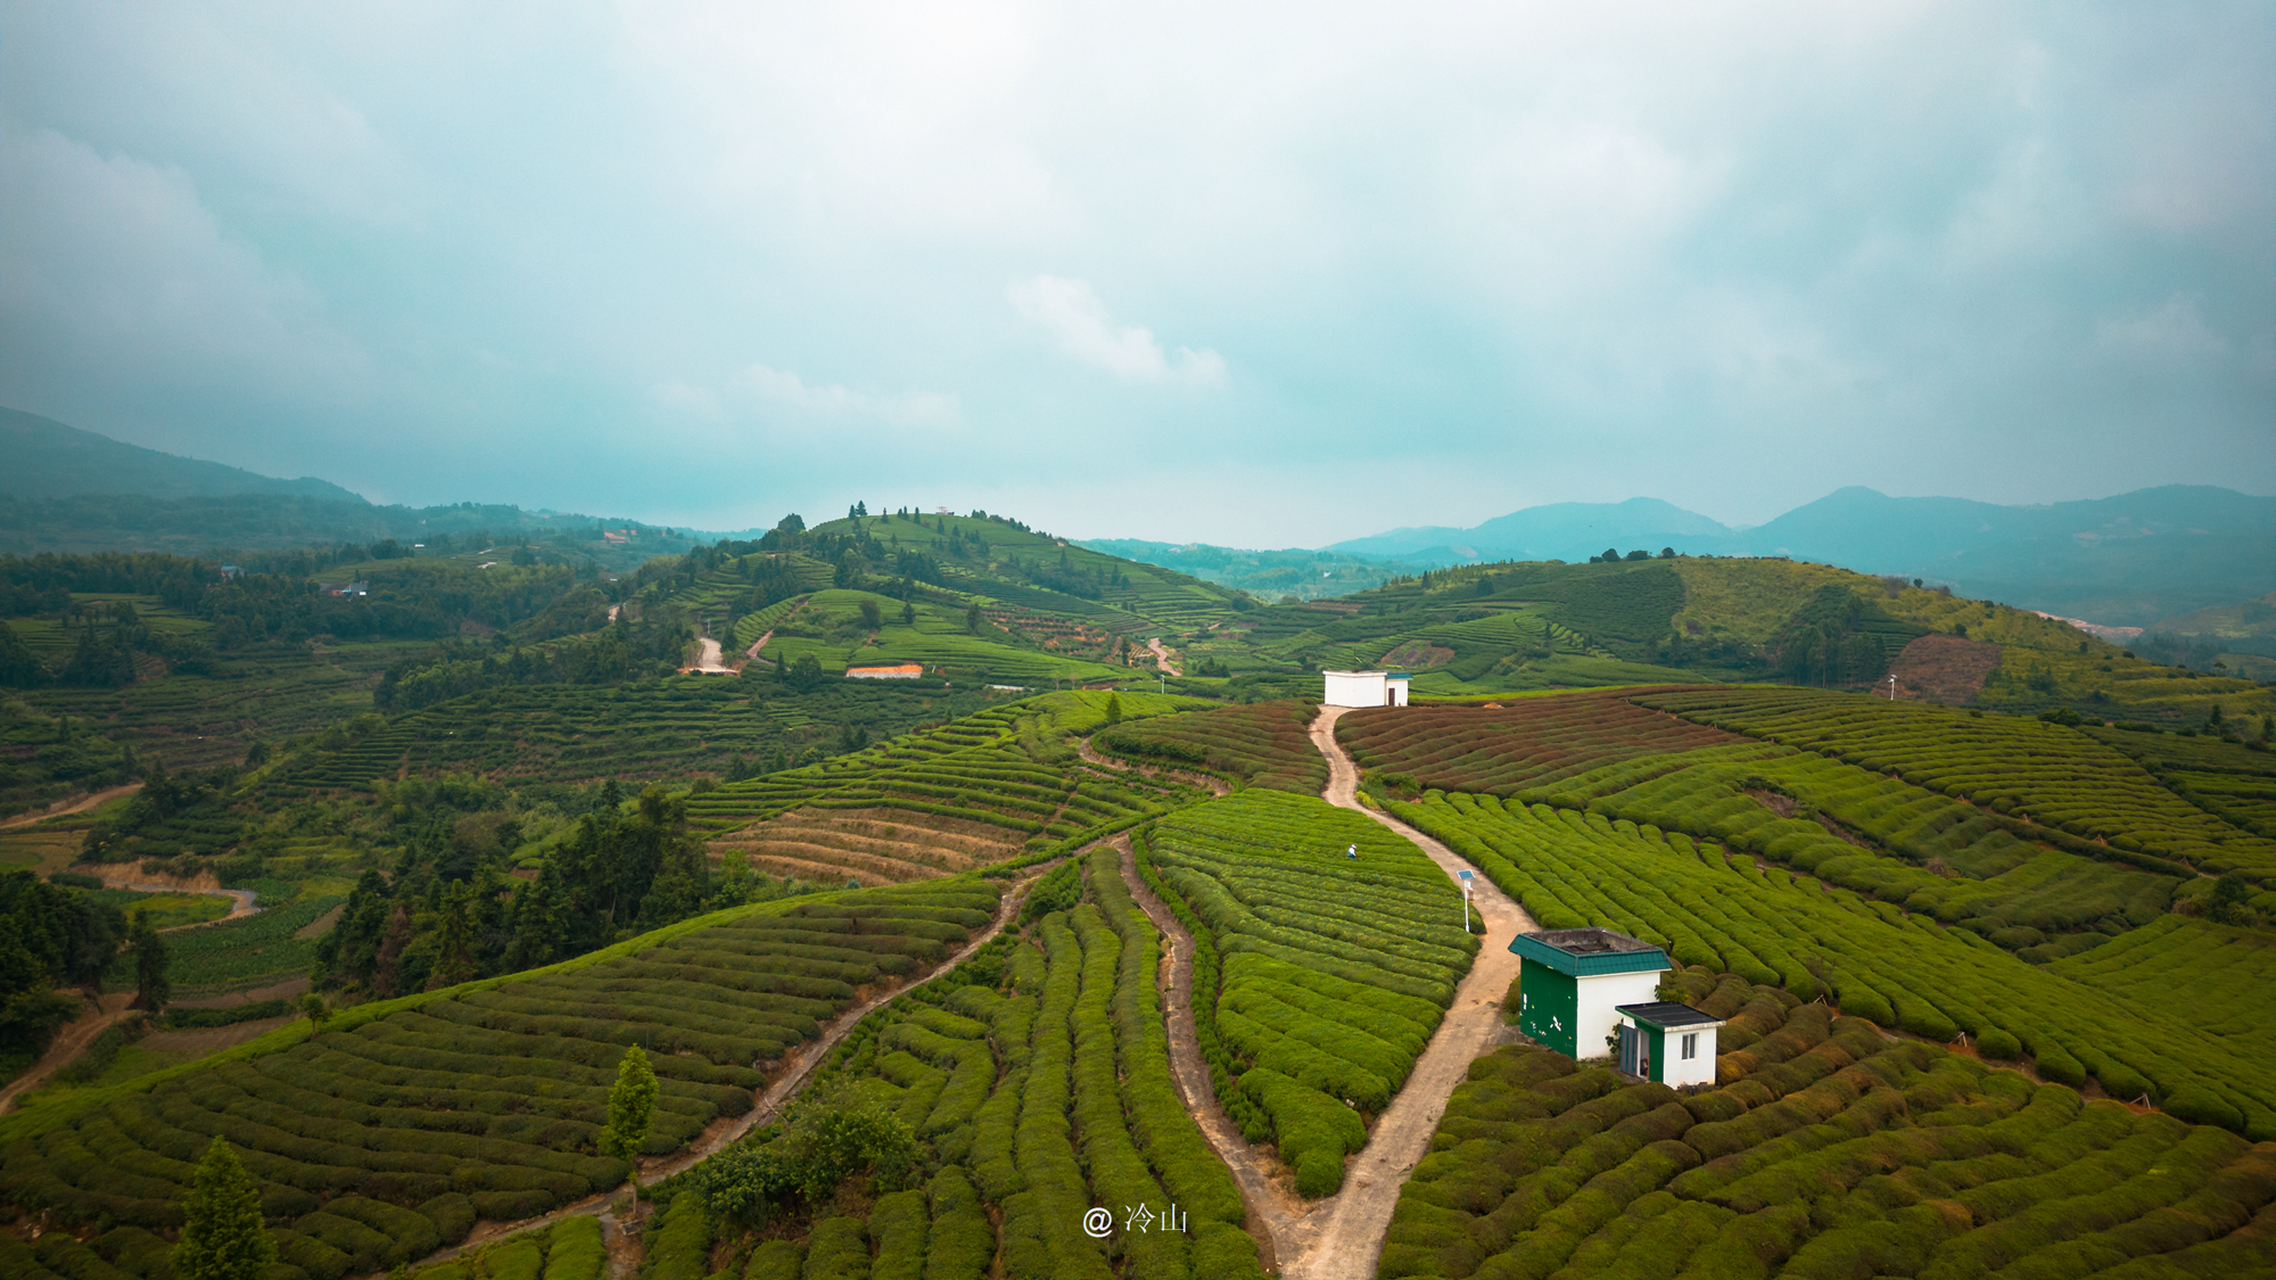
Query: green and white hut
(1668, 1042)
(1572, 982)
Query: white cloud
(1074, 315)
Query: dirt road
(709, 664)
(62, 807)
(68, 1044)
(240, 900)
(1162, 656)
(624, 1239)
(1349, 1234)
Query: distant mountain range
(46, 459)
(2130, 560)
(2139, 559)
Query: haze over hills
(2131, 560)
(47, 459)
(2128, 560)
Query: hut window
(1691, 1045)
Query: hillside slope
(47, 459)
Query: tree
(1667, 553)
(151, 988)
(319, 1011)
(871, 616)
(1114, 708)
(2227, 903)
(1610, 555)
(1639, 555)
(908, 614)
(632, 1100)
(806, 673)
(972, 618)
(222, 1237)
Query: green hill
(47, 459)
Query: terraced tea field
(1824, 1150)
(1876, 960)
(2057, 776)
(1319, 974)
(402, 1123)
(1009, 769)
(1533, 742)
(883, 845)
(1040, 1079)
(1263, 744)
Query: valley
(1089, 902)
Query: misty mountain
(2123, 561)
(1558, 531)
(46, 459)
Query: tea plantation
(1572, 868)
(1264, 744)
(1327, 951)
(1036, 1083)
(400, 1124)
(1824, 1150)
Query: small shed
(1365, 688)
(1669, 1042)
(1572, 982)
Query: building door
(1633, 1050)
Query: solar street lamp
(1892, 686)
(1464, 878)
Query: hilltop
(2128, 560)
(47, 459)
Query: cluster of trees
(450, 912)
(1612, 555)
(1834, 640)
(55, 936)
(622, 651)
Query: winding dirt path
(62, 807)
(1275, 1213)
(1348, 1237)
(622, 1235)
(240, 900)
(71, 1041)
(1341, 1237)
(1162, 656)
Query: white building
(1573, 982)
(1671, 1043)
(1365, 688)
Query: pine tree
(222, 1237)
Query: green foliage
(632, 1101)
(152, 988)
(1322, 976)
(222, 1237)
(681, 1245)
(1263, 744)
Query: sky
(1261, 274)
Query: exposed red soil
(1944, 669)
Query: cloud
(116, 264)
(1074, 315)
(764, 384)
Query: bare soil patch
(204, 1040)
(875, 845)
(1944, 669)
(1416, 655)
(68, 1044)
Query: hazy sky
(1254, 274)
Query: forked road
(1341, 1237)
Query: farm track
(81, 805)
(626, 1252)
(1276, 1215)
(1217, 786)
(1349, 1237)
(1162, 656)
(1340, 1237)
(69, 1043)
